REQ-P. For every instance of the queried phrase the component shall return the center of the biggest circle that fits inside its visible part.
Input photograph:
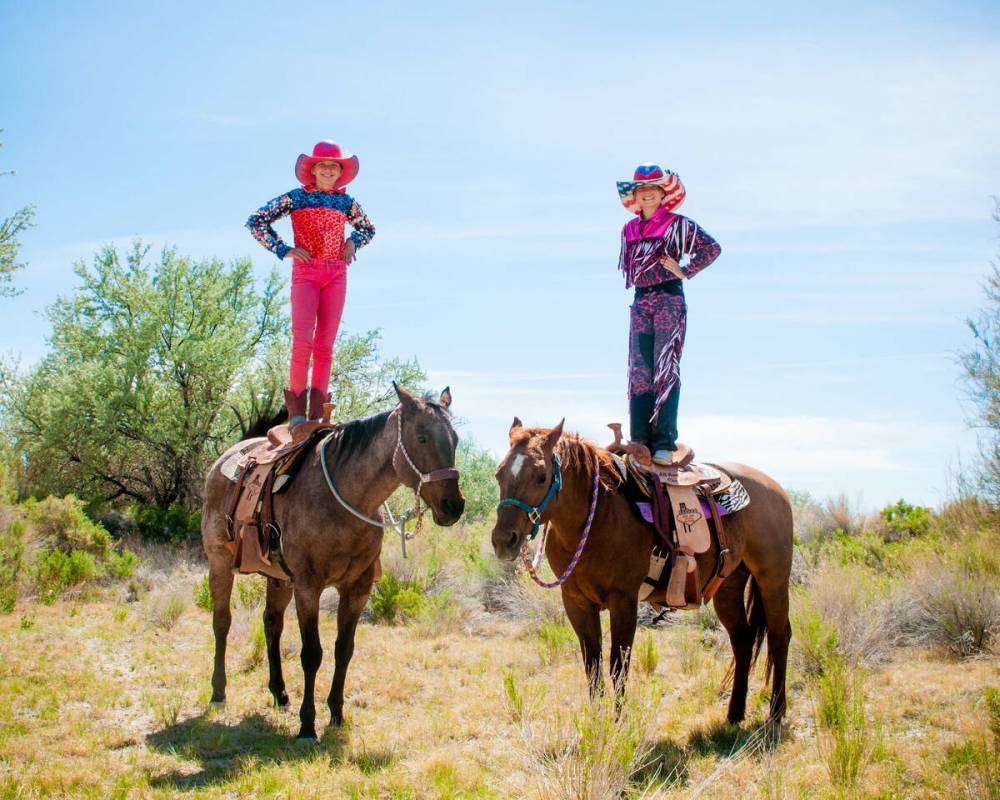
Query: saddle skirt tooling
(685, 503)
(259, 470)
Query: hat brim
(348, 169)
(673, 192)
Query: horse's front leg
(279, 595)
(623, 609)
(352, 603)
(307, 610)
(585, 617)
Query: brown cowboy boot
(296, 405)
(316, 401)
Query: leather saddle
(258, 471)
(685, 503)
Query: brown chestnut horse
(615, 558)
(324, 544)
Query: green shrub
(171, 525)
(904, 520)
(56, 571)
(478, 483)
(203, 594)
(396, 600)
(815, 642)
(59, 523)
(250, 591)
(11, 557)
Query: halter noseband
(535, 512)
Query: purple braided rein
(532, 564)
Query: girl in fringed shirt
(660, 249)
(319, 271)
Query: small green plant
(513, 696)
(27, 622)
(203, 594)
(555, 639)
(396, 601)
(816, 642)
(371, 762)
(119, 613)
(166, 610)
(257, 648)
(847, 739)
(250, 591)
(646, 655)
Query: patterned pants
(658, 323)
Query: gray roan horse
(615, 558)
(325, 545)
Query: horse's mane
(577, 453)
(353, 436)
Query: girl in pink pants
(319, 211)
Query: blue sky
(844, 158)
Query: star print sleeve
(686, 238)
(260, 221)
(363, 231)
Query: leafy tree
(982, 368)
(10, 228)
(135, 396)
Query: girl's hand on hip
(349, 250)
(673, 267)
(299, 254)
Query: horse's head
(528, 486)
(427, 450)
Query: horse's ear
(445, 398)
(407, 400)
(553, 436)
(513, 427)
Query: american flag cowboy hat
(652, 175)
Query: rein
(532, 563)
(436, 475)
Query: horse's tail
(758, 627)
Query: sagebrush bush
(59, 523)
(395, 600)
(847, 739)
(955, 609)
(11, 558)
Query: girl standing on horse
(659, 250)
(320, 256)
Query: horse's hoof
(217, 705)
(284, 708)
(307, 739)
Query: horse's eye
(541, 479)
(421, 438)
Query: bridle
(535, 512)
(443, 474)
(535, 516)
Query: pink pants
(318, 290)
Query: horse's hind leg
(220, 584)
(729, 607)
(779, 636)
(352, 603)
(279, 594)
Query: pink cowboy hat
(326, 151)
(652, 175)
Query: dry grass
(480, 697)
